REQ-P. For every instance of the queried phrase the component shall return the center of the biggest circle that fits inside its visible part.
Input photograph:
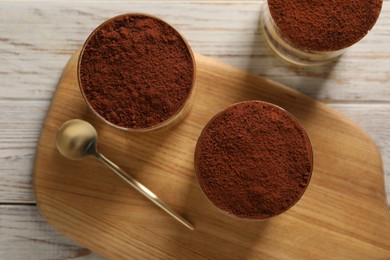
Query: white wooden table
(37, 38)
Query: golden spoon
(77, 139)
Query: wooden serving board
(343, 214)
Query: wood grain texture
(20, 133)
(343, 212)
(38, 37)
(26, 235)
(41, 36)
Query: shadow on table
(216, 235)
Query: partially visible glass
(303, 56)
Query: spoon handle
(143, 190)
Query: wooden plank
(20, 124)
(34, 61)
(372, 118)
(343, 212)
(24, 234)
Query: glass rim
(166, 122)
(311, 154)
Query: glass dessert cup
(165, 115)
(302, 35)
(243, 160)
(289, 53)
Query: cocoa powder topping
(136, 71)
(253, 160)
(324, 25)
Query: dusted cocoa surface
(136, 71)
(324, 25)
(253, 160)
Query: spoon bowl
(77, 139)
